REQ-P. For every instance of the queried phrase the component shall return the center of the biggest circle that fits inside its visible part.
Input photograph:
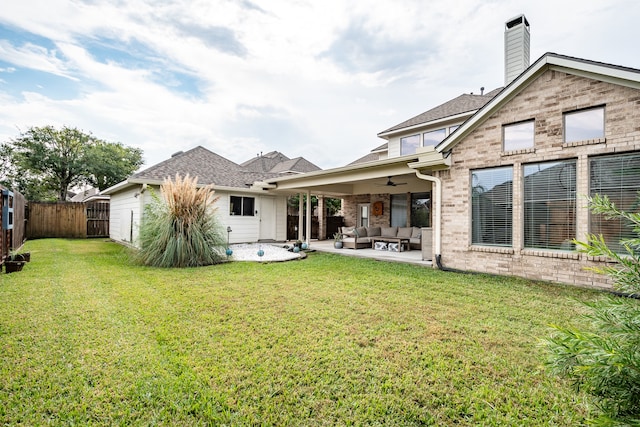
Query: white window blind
(492, 206)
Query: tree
(181, 229)
(44, 163)
(333, 206)
(605, 360)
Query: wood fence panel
(57, 219)
(98, 219)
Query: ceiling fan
(391, 183)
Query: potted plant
(337, 240)
(13, 266)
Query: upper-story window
(433, 138)
(242, 206)
(584, 125)
(409, 144)
(518, 136)
(453, 129)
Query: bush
(181, 229)
(605, 360)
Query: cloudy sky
(311, 78)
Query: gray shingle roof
(462, 104)
(264, 162)
(209, 167)
(371, 157)
(299, 164)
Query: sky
(318, 78)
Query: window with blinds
(492, 206)
(618, 177)
(550, 205)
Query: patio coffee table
(401, 241)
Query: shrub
(181, 229)
(605, 360)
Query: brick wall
(544, 100)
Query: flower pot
(337, 245)
(26, 257)
(13, 266)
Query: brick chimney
(516, 47)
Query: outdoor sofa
(362, 237)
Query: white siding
(123, 204)
(244, 229)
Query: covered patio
(409, 257)
(397, 192)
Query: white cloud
(308, 78)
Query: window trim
(243, 212)
(566, 114)
(513, 125)
(508, 230)
(419, 144)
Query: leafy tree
(181, 229)
(332, 205)
(43, 163)
(605, 360)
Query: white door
(267, 218)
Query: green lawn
(86, 337)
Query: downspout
(437, 229)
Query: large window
(618, 177)
(492, 206)
(421, 209)
(409, 144)
(242, 206)
(518, 136)
(434, 137)
(550, 205)
(584, 125)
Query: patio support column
(308, 234)
(322, 219)
(300, 216)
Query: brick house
(503, 175)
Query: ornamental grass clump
(181, 229)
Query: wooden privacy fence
(68, 220)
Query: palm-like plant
(181, 229)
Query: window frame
(484, 234)
(443, 131)
(576, 113)
(417, 143)
(622, 193)
(543, 219)
(518, 142)
(246, 209)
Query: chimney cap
(520, 19)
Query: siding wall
(244, 229)
(544, 100)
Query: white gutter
(438, 212)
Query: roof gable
(209, 167)
(591, 69)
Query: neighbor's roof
(462, 104)
(297, 165)
(371, 157)
(209, 167)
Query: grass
(86, 337)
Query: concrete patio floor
(410, 257)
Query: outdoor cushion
(373, 231)
(349, 231)
(404, 232)
(388, 231)
(417, 233)
(361, 232)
